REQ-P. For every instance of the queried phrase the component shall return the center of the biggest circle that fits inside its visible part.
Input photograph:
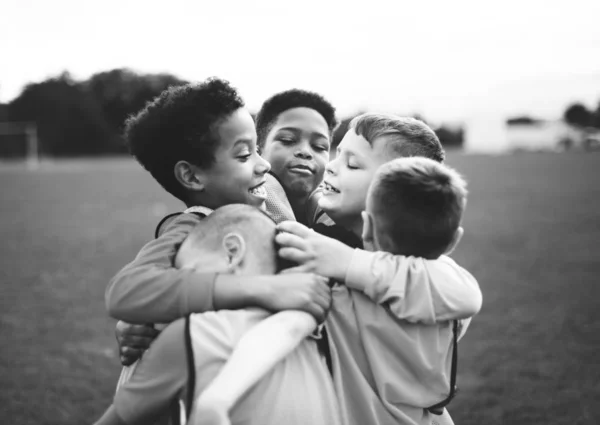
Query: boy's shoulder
(277, 203)
(187, 218)
(226, 325)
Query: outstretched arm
(257, 352)
(414, 289)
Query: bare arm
(259, 350)
(110, 417)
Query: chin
(301, 187)
(329, 208)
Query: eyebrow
(349, 153)
(297, 130)
(242, 141)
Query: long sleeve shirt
(151, 290)
(391, 338)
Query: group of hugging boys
(294, 288)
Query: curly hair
(295, 98)
(180, 125)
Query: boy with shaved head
(188, 354)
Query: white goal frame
(29, 129)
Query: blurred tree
(577, 114)
(122, 92)
(596, 116)
(450, 137)
(68, 120)
(524, 119)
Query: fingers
(291, 240)
(129, 355)
(295, 228)
(305, 268)
(137, 341)
(296, 255)
(127, 329)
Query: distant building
(492, 135)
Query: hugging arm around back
(412, 288)
(151, 290)
(415, 289)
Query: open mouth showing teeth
(330, 188)
(259, 191)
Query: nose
(262, 166)
(303, 151)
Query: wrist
(233, 292)
(258, 292)
(342, 259)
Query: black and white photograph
(329, 212)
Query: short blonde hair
(417, 204)
(255, 225)
(405, 136)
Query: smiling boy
(199, 143)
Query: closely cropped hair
(418, 204)
(295, 98)
(180, 125)
(406, 136)
(256, 226)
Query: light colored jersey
(391, 337)
(297, 391)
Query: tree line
(86, 118)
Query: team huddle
(292, 289)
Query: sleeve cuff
(200, 293)
(359, 275)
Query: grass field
(532, 240)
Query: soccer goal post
(29, 130)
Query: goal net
(19, 141)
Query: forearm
(150, 289)
(259, 350)
(415, 289)
(152, 294)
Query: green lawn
(532, 240)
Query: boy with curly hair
(199, 143)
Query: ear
(455, 240)
(368, 230)
(235, 248)
(190, 176)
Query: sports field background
(532, 240)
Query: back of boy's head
(289, 99)
(405, 136)
(417, 206)
(180, 125)
(255, 226)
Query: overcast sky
(443, 59)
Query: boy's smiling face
(238, 172)
(349, 175)
(298, 149)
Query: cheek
(277, 156)
(321, 162)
